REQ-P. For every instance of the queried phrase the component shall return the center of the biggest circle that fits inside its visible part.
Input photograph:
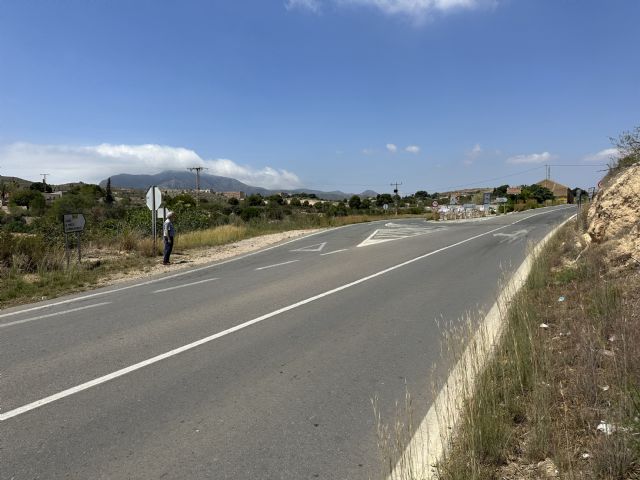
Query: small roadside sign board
(453, 200)
(434, 204)
(154, 198)
(487, 198)
(501, 200)
(74, 222)
(385, 206)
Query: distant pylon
(197, 170)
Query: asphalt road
(261, 367)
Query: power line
(491, 179)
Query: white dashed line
(57, 314)
(277, 264)
(185, 285)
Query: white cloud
(392, 148)
(368, 151)
(310, 5)
(67, 163)
(531, 158)
(413, 149)
(603, 155)
(472, 154)
(418, 9)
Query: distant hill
(178, 180)
(22, 183)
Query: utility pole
(548, 171)
(395, 191)
(44, 180)
(197, 170)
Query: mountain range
(179, 180)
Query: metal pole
(154, 220)
(79, 248)
(66, 248)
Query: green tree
(295, 202)
(500, 191)
(32, 199)
(108, 197)
(383, 198)
(41, 187)
(254, 200)
(355, 202)
(537, 192)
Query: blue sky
(325, 94)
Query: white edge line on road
(277, 265)
(335, 251)
(433, 436)
(150, 361)
(185, 285)
(56, 314)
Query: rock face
(614, 217)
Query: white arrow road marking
(277, 264)
(311, 248)
(185, 285)
(512, 237)
(335, 251)
(57, 314)
(394, 231)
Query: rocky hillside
(614, 219)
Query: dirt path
(182, 259)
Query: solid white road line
(119, 373)
(277, 264)
(32, 319)
(335, 251)
(185, 285)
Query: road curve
(259, 367)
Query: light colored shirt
(167, 229)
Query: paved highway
(260, 367)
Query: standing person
(168, 233)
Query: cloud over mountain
(69, 163)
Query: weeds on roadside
(567, 362)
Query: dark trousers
(168, 247)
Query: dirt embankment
(614, 219)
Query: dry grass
(568, 359)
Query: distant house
(514, 190)
(49, 198)
(559, 191)
(238, 195)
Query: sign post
(154, 199)
(503, 201)
(73, 223)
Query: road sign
(385, 206)
(154, 198)
(162, 211)
(453, 200)
(501, 200)
(487, 198)
(434, 204)
(73, 222)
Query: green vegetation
(568, 360)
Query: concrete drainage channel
(433, 436)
